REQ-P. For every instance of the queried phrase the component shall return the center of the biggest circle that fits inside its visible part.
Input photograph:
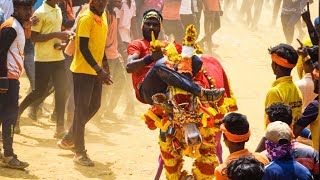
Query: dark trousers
(211, 25)
(174, 27)
(160, 77)
(69, 85)
(111, 94)
(288, 24)
(87, 98)
(44, 71)
(9, 114)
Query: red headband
(235, 137)
(281, 61)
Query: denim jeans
(29, 62)
(160, 76)
(2, 19)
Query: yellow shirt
(220, 175)
(314, 127)
(96, 29)
(285, 91)
(50, 20)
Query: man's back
(306, 87)
(218, 171)
(284, 90)
(286, 168)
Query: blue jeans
(29, 62)
(160, 76)
(9, 114)
(2, 19)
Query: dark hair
(236, 123)
(244, 168)
(153, 10)
(279, 112)
(285, 51)
(17, 3)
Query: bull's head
(182, 109)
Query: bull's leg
(205, 165)
(173, 162)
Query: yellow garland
(197, 49)
(192, 151)
(191, 36)
(157, 121)
(208, 159)
(199, 176)
(155, 44)
(172, 54)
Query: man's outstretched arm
(135, 63)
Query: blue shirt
(37, 4)
(2, 19)
(286, 168)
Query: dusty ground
(124, 148)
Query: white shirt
(185, 7)
(306, 87)
(125, 14)
(7, 7)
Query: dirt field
(124, 148)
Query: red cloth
(214, 70)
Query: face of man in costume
(151, 24)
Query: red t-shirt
(141, 47)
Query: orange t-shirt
(111, 49)
(171, 10)
(218, 171)
(211, 5)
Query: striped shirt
(14, 56)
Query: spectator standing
(49, 60)
(284, 59)
(89, 68)
(11, 62)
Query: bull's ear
(159, 98)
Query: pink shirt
(112, 38)
(171, 10)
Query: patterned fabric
(276, 151)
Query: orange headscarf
(281, 61)
(235, 137)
